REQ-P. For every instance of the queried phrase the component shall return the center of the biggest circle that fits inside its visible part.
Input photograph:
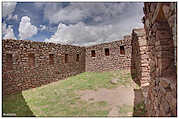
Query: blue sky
(73, 23)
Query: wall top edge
(29, 41)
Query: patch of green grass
(124, 76)
(60, 98)
(140, 109)
(125, 109)
(137, 86)
(90, 80)
(16, 105)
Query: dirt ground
(120, 100)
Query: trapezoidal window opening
(77, 57)
(31, 59)
(106, 51)
(9, 61)
(51, 59)
(93, 53)
(66, 58)
(122, 50)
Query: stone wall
(28, 64)
(160, 26)
(118, 57)
(140, 57)
(140, 69)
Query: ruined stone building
(150, 54)
(28, 64)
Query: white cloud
(8, 8)
(39, 4)
(26, 29)
(8, 33)
(98, 19)
(111, 29)
(4, 28)
(76, 12)
(10, 17)
(42, 27)
(79, 34)
(84, 35)
(50, 11)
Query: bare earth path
(120, 99)
(115, 98)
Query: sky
(74, 23)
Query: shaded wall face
(159, 22)
(112, 60)
(140, 69)
(31, 64)
(140, 61)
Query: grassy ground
(60, 98)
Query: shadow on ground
(15, 106)
(139, 106)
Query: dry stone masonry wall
(140, 69)
(109, 56)
(160, 26)
(29, 64)
(140, 57)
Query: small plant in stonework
(140, 109)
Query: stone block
(171, 100)
(164, 82)
(172, 20)
(166, 10)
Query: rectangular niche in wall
(106, 51)
(93, 54)
(31, 59)
(77, 57)
(9, 61)
(122, 50)
(51, 59)
(66, 58)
